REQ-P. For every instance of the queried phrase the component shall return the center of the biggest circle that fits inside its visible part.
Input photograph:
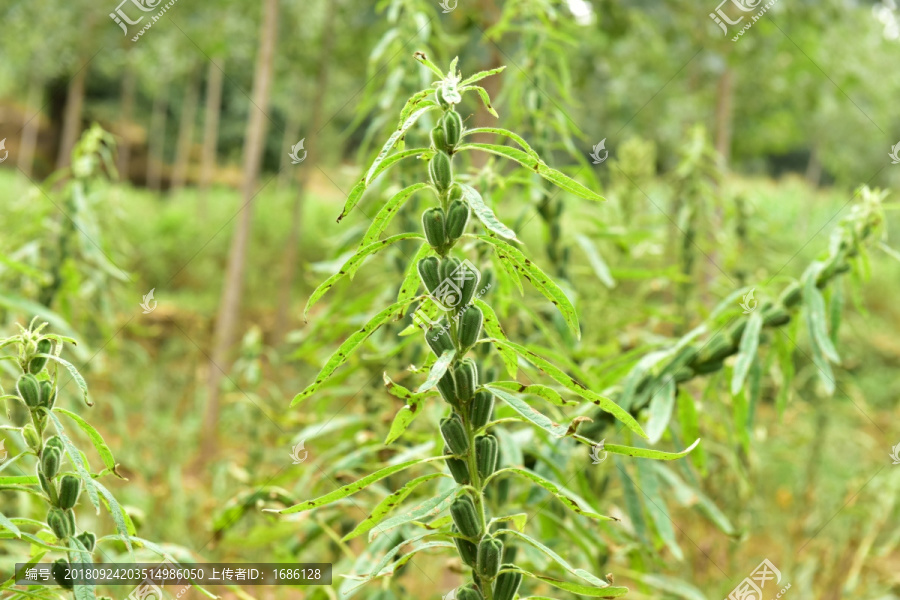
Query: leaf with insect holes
(96, 439)
(579, 589)
(526, 160)
(387, 212)
(557, 491)
(530, 414)
(359, 189)
(341, 355)
(485, 214)
(350, 267)
(426, 508)
(492, 327)
(388, 504)
(411, 279)
(352, 488)
(437, 370)
(561, 377)
(389, 144)
(78, 553)
(415, 101)
(580, 573)
(660, 409)
(406, 414)
(546, 286)
(746, 351)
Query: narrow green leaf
(481, 75)
(352, 488)
(580, 573)
(18, 480)
(562, 378)
(411, 281)
(526, 160)
(96, 439)
(405, 558)
(530, 414)
(73, 372)
(485, 98)
(387, 505)
(492, 326)
(437, 370)
(388, 212)
(746, 351)
(690, 425)
(359, 189)
(576, 588)
(347, 348)
(353, 263)
(597, 263)
(632, 502)
(518, 520)
(557, 491)
(389, 144)
(485, 214)
(547, 393)
(426, 508)
(660, 410)
(513, 136)
(406, 414)
(544, 284)
(658, 509)
(420, 56)
(6, 523)
(641, 452)
(815, 317)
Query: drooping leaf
(485, 98)
(481, 75)
(492, 327)
(74, 374)
(690, 426)
(350, 267)
(562, 378)
(387, 505)
(641, 452)
(557, 491)
(341, 355)
(580, 589)
(526, 160)
(96, 439)
(580, 573)
(660, 410)
(513, 136)
(80, 555)
(747, 350)
(406, 414)
(352, 488)
(544, 284)
(428, 507)
(7, 524)
(816, 319)
(485, 214)
(530, 414)
(388, 212)
(542, 391)
(658, 509)
(597, 263)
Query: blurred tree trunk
(129, 83)
(214, 81)
(229, 306)
(186, 131)
(282, 318)
(31, 125)
(157, 138)
(71, 125)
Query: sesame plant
(52, 472)
(478, 459)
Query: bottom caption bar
(172, 574)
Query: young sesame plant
(460, 328)
(60, 472)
